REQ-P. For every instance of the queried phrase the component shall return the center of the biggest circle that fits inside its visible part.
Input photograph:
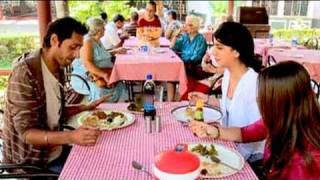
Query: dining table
(308, 57)
(112, 155)
(134, 42)
(162, 63)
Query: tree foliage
(82, 10)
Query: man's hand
(97, 102)
(85, 136)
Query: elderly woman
(95, 65)
(191, 47)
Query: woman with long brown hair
(291, 123)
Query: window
(296, 8)
(271, 6)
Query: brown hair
(290, 112)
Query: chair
(271, 61)
(316, 87)
(72, 96)
(216, 86)
(40, 173)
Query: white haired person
(95, 65)
(191, 47)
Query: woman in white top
(234, 50)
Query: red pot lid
(177, 162)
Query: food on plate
(105, 120)
(100, 114)
(205, 151)
(189, 112)
(91, 121)
(208, 167)
(135, 107)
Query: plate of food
(216, 161)
(106, 120)
(135, 108)
(186, 113)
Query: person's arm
(77, 108)
(202, 129)
(211, 100)
(251, 133)
(177, 43)
(86, 136)
(199, 50)
(25, 117)
(87, 58)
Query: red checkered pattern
(111, 157)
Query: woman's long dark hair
(291, 113)
(238, 37)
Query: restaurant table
(114, 151)
(162, 63)
(308, 57)
(133, 42)
(262, 46)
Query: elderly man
(149, 26)
(111, 39)
(35, 108)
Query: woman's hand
(202, 129)
(85, 136)
(194, 96)
(209, 68)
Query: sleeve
(254, 132)
(179, 44)
(21, 99)
(199, 50)
(113, 36)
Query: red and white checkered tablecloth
(111, 157)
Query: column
(44, 17)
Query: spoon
(139, 167)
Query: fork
(217, 160)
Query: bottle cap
(149, 76)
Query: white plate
(210, 114)
(129, 119)
(159, 50)
(226, 155)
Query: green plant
(82, 10)
(301, 34)
(14, 45)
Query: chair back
(271, 61)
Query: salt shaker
(147, 124)
(158, 123)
